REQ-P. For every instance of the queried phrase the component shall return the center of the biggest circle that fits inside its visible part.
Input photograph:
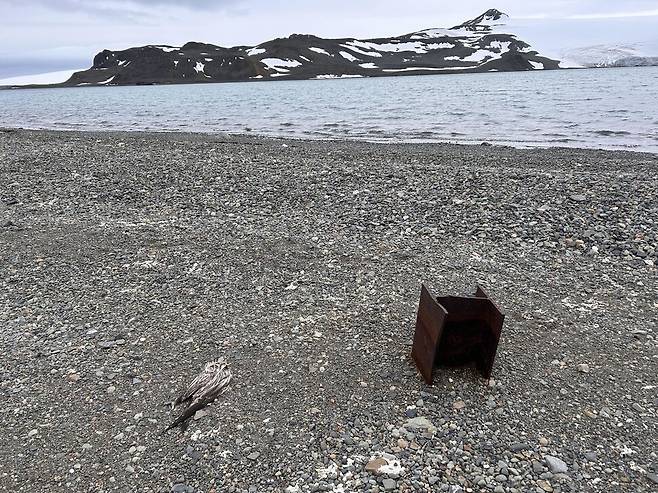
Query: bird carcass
(210, 384)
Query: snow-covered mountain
(602, 55)
(477, 45)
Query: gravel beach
(128, 260)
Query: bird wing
(208, 392)
(199, 381)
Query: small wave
(610, 133)
(565, 140)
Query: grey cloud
(121, 6)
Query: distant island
(477, 45)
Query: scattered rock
(458, 404)
(420, 423)
(544, 485)
(555, 465)
(375, 464)
(591, 456)
(389, 485)
(519, 447)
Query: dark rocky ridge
(474, 46)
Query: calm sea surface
(607, 108)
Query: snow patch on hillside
(333, 76)
(255, 51)
(348, 56)
(279, 64)
(320, 50)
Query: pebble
(545, 485)
(180, 488)
(518, 447)
(583, 368)
(373, 465)
(555, 464)
(411, 412)
(420, 423)
(591, 456)
(389, 485)
(253, 456)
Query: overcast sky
(45, 35)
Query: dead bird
(212, 382)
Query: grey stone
(591, 456)
(519, 447)
(555, 464)
(389, 485)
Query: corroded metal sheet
(429, 325)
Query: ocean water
(596, 108)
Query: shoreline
(61, 85)
(128, 260)
(307, 139)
